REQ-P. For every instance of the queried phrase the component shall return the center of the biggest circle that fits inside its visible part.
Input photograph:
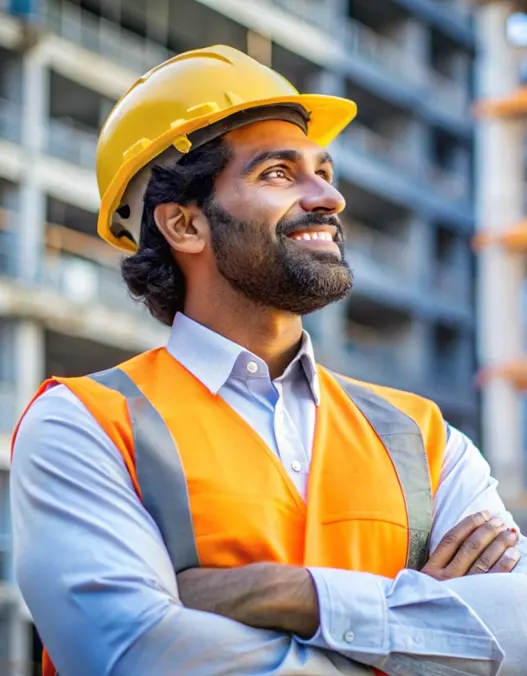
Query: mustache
(288, 227)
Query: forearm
(262, 595)
(415, 623)
(412, 625)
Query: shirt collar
(213, 359)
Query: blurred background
(433, 170)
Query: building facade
(501, 242)
(405, 168)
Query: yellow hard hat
(175, 107)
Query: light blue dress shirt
(95, 574)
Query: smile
(327, 236)
(322, 239)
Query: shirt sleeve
(466, 486)
(470, 625)
(96, 576)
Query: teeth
(314, 235)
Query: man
(224, 505)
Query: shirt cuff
(370, 618)
(352, 613)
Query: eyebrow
(283, 155)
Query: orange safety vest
(221, 497)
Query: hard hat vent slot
(124, 211)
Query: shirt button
(349, 637)
(296, 466)
(252, 367)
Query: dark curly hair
(151, 274)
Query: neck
(269, 334)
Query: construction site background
(433, 171)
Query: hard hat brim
(329, 115)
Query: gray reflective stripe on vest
(403, 440)
(159, 471)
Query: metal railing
(389, 252)
(84, 270)
(389, 151)
(77, 266)
(395, 154)
(70, 143)
(64, 139)
(84, 282)
(104, 37)
(378, 49)
(358, 38)
(387, 53)
(10, 121)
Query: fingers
(500, 556)
(453, 540)
(507, 562)
(474, 546)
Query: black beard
(278, 274)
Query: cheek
(259, 203)
(279, 201)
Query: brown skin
(269, 595)
(479, 544)
(262, 595)
(276, 596)
(304, 188)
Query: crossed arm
(284, 598)
(98, 581)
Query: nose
(322, 197)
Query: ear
(184, 228)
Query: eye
(325, 175)
(276, 172)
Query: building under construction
(501, 244)
(405, 168)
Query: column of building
(500, 194)
(29, 334)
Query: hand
(478, 544)
(262, 595)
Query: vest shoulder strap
(159, 471)
(403, 440)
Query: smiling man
(223, 504)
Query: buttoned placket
(289, 445)
(291, 449)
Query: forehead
(269, 135)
